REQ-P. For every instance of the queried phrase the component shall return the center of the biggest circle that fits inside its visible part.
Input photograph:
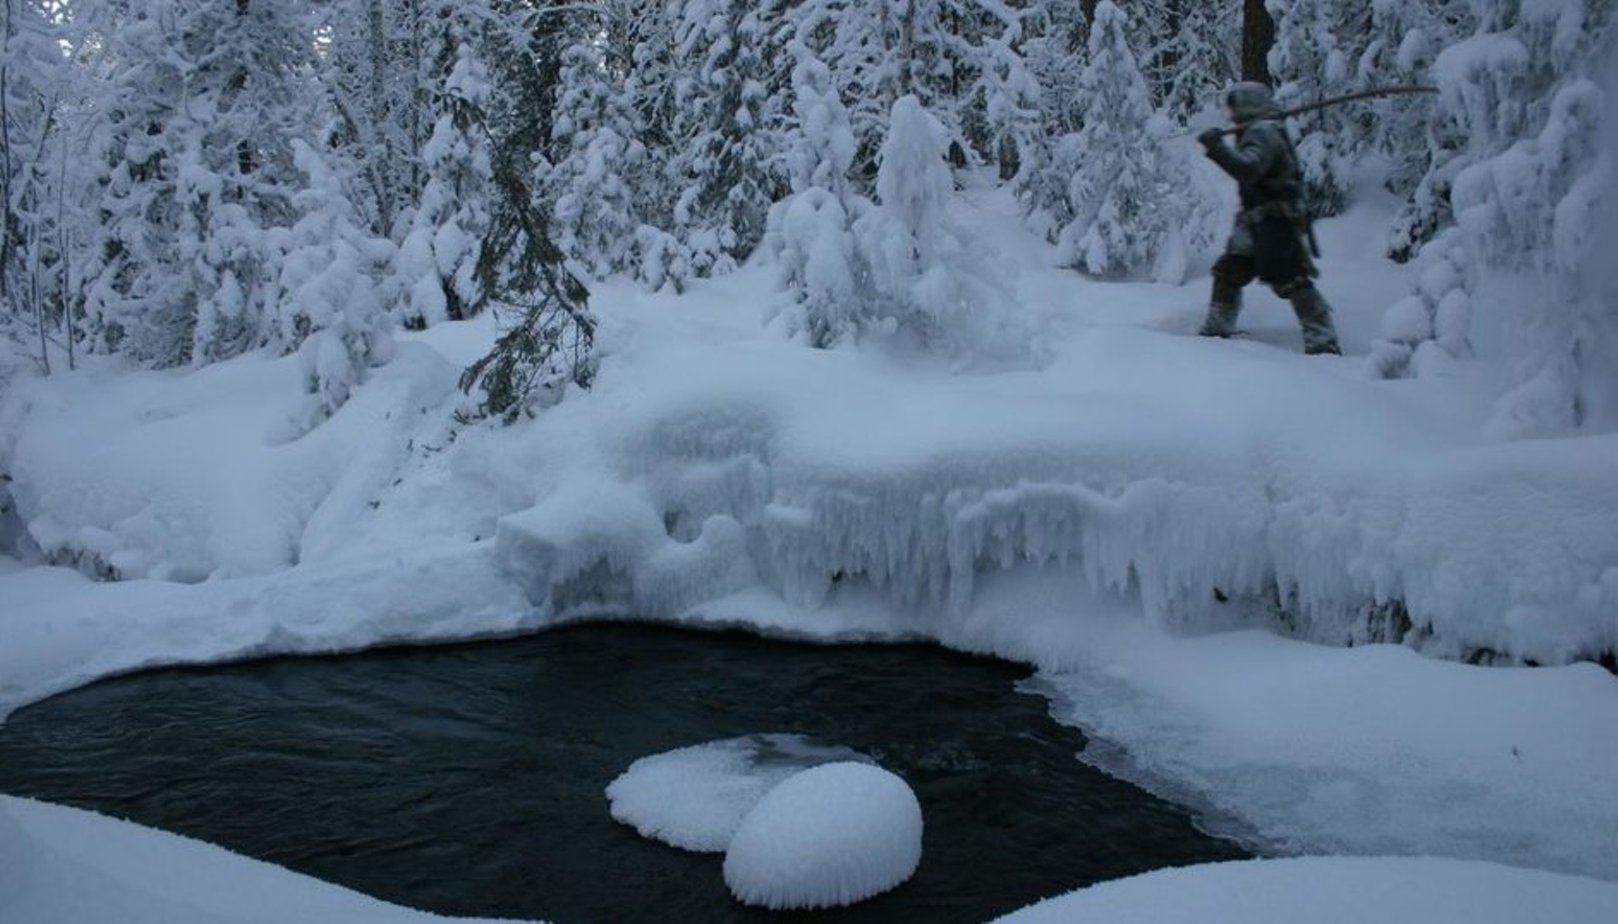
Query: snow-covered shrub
(933, 284)
(832, 835)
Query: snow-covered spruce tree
(613, 173)
(856, 41)
(1054, 38)
(600, 156)
(1131, 196)
(810, 233)
(934, 288)
(549, 343)
(437, 260)
(1055, 51)
(1186, 52)
(726, 166)
(333, 293)
(1411, 131)
(1311, 61)
(1529, 193)
(202, 100)
(372, 72)
(962, 58)
(1000, 111)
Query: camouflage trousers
(1267, 243)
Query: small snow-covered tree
(438, 257)
(810, 233)
(934, 285)
(1130, 195)
(333, 291)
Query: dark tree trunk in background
(1258, 34)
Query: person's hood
(1249, 101)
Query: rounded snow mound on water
(831, 835)
(1334, 890)
(695, 797)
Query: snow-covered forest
(327, 324)
(189, 181)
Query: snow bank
(832, 835)
(1333, 890)
(68, 866)
(695, 797)
(186, 477)
(62, 629)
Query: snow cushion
(695, 797)
(831, 835)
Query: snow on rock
(695, 797)
(832, 835)
(1333, 890)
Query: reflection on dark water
(470, 779)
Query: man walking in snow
(1268, 241)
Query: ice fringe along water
(695, 797)
(1458, 554)
(832, 835)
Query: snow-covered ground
(59, 865)
(1121, 517)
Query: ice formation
(832, 835)
(696, 797)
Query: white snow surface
(1333, 890)
(831, 835)
(696, 797)
(1077, 516)
(66, 866)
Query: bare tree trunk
(377, 152)
(6, 217)
(1258, 34)
(64, 277)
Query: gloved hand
(1211, 138)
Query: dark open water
(469, 779)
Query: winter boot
(1224, 305)
(1314, 316)
(1220, 320)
